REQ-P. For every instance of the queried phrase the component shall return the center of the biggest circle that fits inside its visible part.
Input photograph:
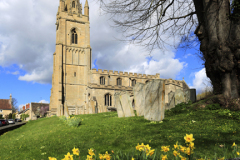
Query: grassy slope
(106, 132)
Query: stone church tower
(76, 87)
(72, 57)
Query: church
(76, 87)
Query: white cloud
(199, 80)
(20, 106)
(43, 101)
(14, 73)
(43, 76)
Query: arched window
(133, 104)
(147, 81)
(73, 4)
(65, 9)
(119, 81)
(74, 36)
(102, 80)
(133, 82)
(108, 100)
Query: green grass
(106, 132)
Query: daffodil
(101, 156)
(234, 144)
(189, 138)
(175, 153)
(51, 158)
(140, 147)
(68, 157)
(164, 157)
(75, 151)
(165, 148)
(89, 157)
(90, 151)
(107, 156)
(175, 146)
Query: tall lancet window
(73, 4)
(74, 37)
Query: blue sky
(27, 44)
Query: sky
(27, 44)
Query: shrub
(24, 116)
(13, 115)
(213, 106)
(10, 116)
(62, 118)
(74, 121)
(1, 116)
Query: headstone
(126, 104)
(179, 96)
(154, 100)
(139, 98)
(193, 95)
(171, 100)
(118, 104)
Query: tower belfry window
(73, 4)
(74, 36)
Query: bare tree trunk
(218, 45)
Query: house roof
(23, 111)
(4, 104)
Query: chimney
(10, 100)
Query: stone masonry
(73, 79)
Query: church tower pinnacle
(86, 9)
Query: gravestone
(139, 98)
(186, 93)
(179, 96)
(126, 104)
(154, 100)
(171, 100)
(118, 105)
(193, 95)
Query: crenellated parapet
(178, 83)
(113, 87)
(125, 74)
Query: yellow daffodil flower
(175, 146)
(101, 156)
(189, 138)
(165, 148)
(75, 151)
(164, 157)
(89, 157)
(51, 158)
(175, 153)
(233, 144)
(90, 151)
(68, 157)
